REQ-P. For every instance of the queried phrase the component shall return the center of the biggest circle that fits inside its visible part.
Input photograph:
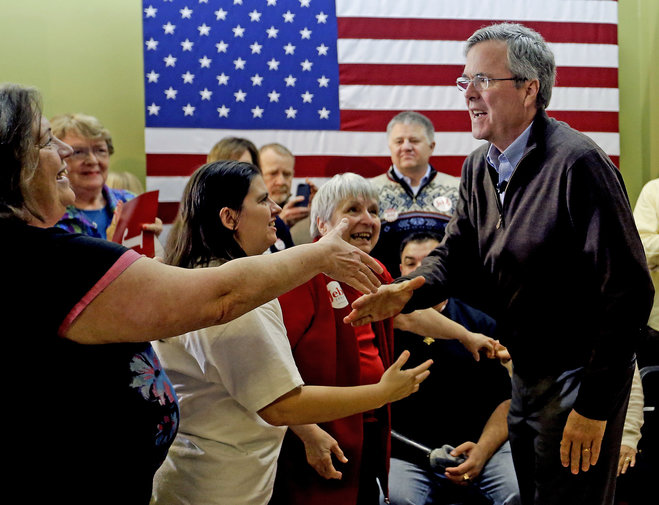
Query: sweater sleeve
(614, 265)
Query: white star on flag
(185, 13)
(222, 79)
(152, 76)
(170, 93)
(220, 14)
(272, 32)
(273, 64)
(169, 60)
(290, 113)
(150, 11)
(257, 112)
(206, 94)
(223, 111)
(288, 17)
(153, 109)
(204, 29)
(188, 110)
(205, 62)
(151, 45)
(187, 45)
(222, 46)
(274, 96)
(324, 113)
(240, 95)
(255, 15)
(238, 31)
(306, 97)
(289, 49)
(169, 28)
(306, 65)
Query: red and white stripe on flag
(396, 56)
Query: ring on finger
(466, 477)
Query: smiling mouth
(62, 173)
(361, 236)
(477, 114)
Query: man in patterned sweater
(413, 196)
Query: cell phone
(304, 190)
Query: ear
(229, 218)
(432, 146)
(322, 226)
(532, 88)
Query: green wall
(82, 55)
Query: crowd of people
(501, 316)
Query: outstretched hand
(387, 302)
(399, 383)
(346, 263)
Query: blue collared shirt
(505, 162)
(415, 189)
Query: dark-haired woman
(237, 383)
(89, 423)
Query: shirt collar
(400, 175)
(513, 153)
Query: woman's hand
(627, 459)
(475, 342)
(398, 383)
(155, 227)
(319, 447)
(346, 263)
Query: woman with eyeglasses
(95, 204)
(89, 413)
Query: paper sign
(135, 213)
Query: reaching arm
(317, 404)
(150, 300)
(430, 323)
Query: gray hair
(330, 194)
(278, 148)
(413, 117)
(529, 55)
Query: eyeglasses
(482, 82)
(82, 153)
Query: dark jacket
(559, 265)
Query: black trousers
(537, 416)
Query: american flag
(324, 77)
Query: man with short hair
(413, 196)
(472, 417)
(543, 240)
(278, 168)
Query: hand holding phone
(304, 190)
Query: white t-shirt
(224, 452)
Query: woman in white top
(237, 383)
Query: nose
(471, 91)
(367, 218)
(274, 208)
(64, 149)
